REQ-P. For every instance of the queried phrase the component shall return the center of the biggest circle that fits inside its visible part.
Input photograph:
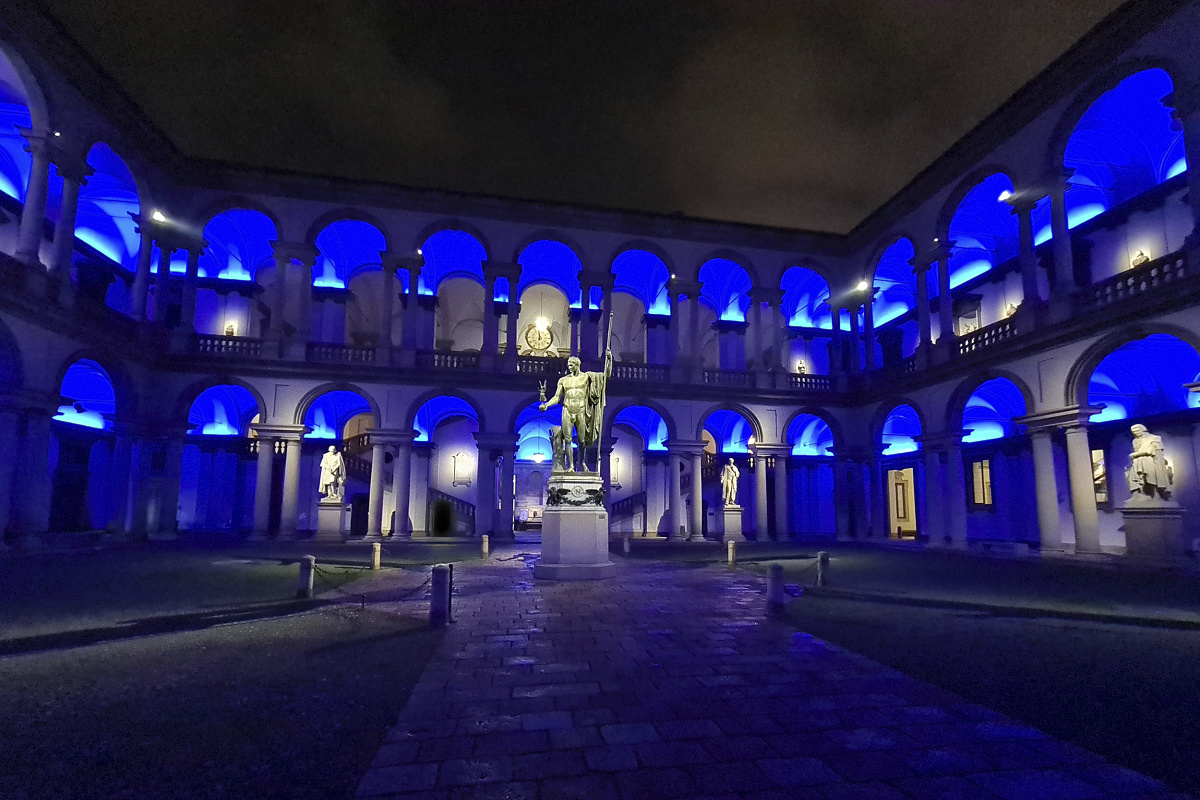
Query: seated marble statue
(1149, 475)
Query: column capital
(943, 440)
(286, 433)
(390, 436)
(303, 252)
(770, 449)
(38, 143)
(939, 249)
(496, 440)
(1068, 417)
(404, 261)
(589, 278)
(684, 447)
(502, 269)
(766, 294)
(1023, 202)
(689, 288)
(71, 167)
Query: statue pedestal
(731, 524)
(331, 520)
(1154, 532)
(575, 529)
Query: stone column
(510, 352)
(278, 302)
(945, 301)
(869, 329)
(697, 532)
(413, 318)
(32, 228)
(841, 494)
(31, 516)
(676, 327)
(401, 485)
(1064, 255)
(74, 175)
(485, 484)
(289, 514)
(924, 324)
(1083, 489)
(675, 493)
(375, 498)
(782, 520)
(855, 341)
(162, 281)
(140, 288)
(491, 323)
(755, 345)
(9, 454)
(877, 478)
(119, 477)
(692, 290)
(1046, 483)
(837, 361)
(504, 525)
(762, 529)
(387, 298)
(168, 515)
(262, 487)
(778, 327)
(187, 320)
(956, 491)
(1022, 205)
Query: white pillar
(935, 520)
(1064, 256)
(1083, 490)
(945, 301)
(162, 279)
(140, 288)
(697, 531)
(119, 477)
(1022, 206)
(387, 297)
(74, 176)
(262, 487)
(762, 529)
(401, 465)
(675, 493)
(187, 310)
(32, 229)
(1046, 484)
(956, 493)
(514, 312)
(289, 518)
(485, 485)
(782, 531)
(504, 525)
(375, 498)
(924, 324)
(32, 513)
(9, 455)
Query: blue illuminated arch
(1145, 377)
(551, 262)
(344, 248)
(15, 163)
(223, 410)
(1123, 145)
(900, 428)
(450, 254)
(645, 276)
(533, 433)
(989, 411)
(809, 435)
(648, 423)
(436, 410)
(239, 242)
(805, 298)
(328, 414)
(105, 204)
(726, 287)
(730, 430)
(983, 229)
(894, 282)
(91, 401)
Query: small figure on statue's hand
(581, 395)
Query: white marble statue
(582, 396)
(1149, 475)
(729, 482)
(333, 474)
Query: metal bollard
(775, 589)
(625, 545)
(822, 567)
(485, 545)
(439, 597)
(308, 566)
(375, 550)
(731, 547)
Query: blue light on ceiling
(895, 282)
(105, 203)
(645, 276)
(533, 433)
(805, 298)
(224, 410)
(239, 242)
(648, 424)
(549, 262)
(91, 401)
(809, 435)
(450, 254)
(436, 410)
(345, 248)
(984, 230)
(900, 429)
(1122, 146)
(730, 430)
(15, 163)
(1145, 377)
(726, 287)
(329, 413)
(989, 411)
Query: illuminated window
(981, 472)
(1100, 476)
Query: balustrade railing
(340, 353)
(986, 337)
(1149, 277)
(640, 372)
(628, 507)
(464, 513)
(533, 365)
(733, 380)
(810, 383)
(229, 345)
(440, 359)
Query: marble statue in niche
(1149, 474)
(333, 474)
(729, 483)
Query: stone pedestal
(331, 520)
(1154, 533)
(575, 529)
(731, 524)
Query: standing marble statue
(1149, 475)
(582, 396)
(333, 474)
(729, 483)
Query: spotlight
(158, 216)
(57, 134)
(862, 286)
(541, 323)
(1004, 196)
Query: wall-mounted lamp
(1139, 258)
(862, 286)
(419, 252)
(231, 327)
(57, 134)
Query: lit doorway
(902, 504)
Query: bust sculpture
(333, 474)
(1149, 474)
(729, 482)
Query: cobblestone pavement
(670, 681)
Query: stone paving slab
(669, 681)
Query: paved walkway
(669, 681)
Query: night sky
(805, 114)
